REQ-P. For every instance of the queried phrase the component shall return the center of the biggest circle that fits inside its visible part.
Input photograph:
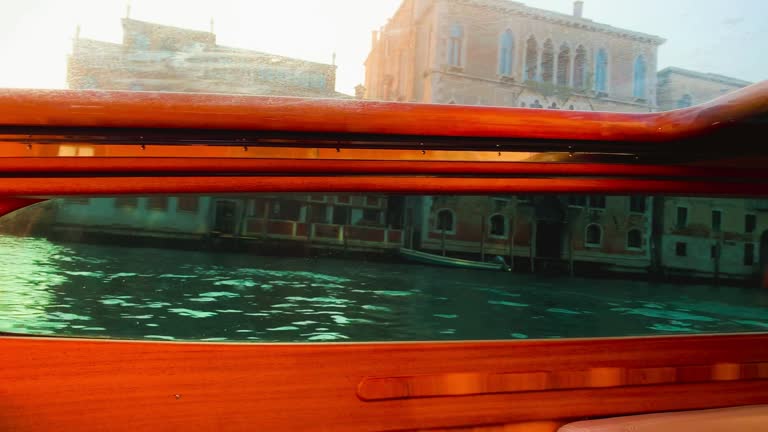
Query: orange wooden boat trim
(63, 108)
(174, 185)
(194, 386)
(140, 166)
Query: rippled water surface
(103, 291)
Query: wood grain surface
(116, 109)
(58, 384)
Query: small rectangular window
(637, 204)
(717, 219)
(289, 210)
(371, 216)
(749, 254)
(157, 203)
(750, 223)
(714, 251)
(372, 201)
(341, 215)
(188, 204)
(318, 213)
(682, 217)
(681, 249)
(258, 207)
(126, 202)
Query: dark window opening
(188, 204)
(286, 210)
(749, 254)
(318, 213)
(637, 204)
(681, 249)
(563, 65)
(372, 201)
(498, 225)
(531, 59)
(371, 216)
(579, 68)
(717, 219)
(341, 215)
(682, 217)
(750, 223)
(548, 62)
(594, 235)
(126, 202)
(445, 220)
(635, 239)
(157, 203)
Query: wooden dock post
(482, 238)
(570, 250)
(512, 229)
(443, 241)
(532, 242)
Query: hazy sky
(719, 36)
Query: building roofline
(227, 48)
(244, 51)
(169, 27)
(704, 75)
(518, 8)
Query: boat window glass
(92, 267)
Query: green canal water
(51, 288)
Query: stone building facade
(155, 57)
(681, 88)
(607, 231)
(504, 53)
(715, 236)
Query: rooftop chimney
(578, 9)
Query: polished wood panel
(140, 166)
(51, 108)
(59, 384)
(473, 383)
(51, 186)
(542, 426)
